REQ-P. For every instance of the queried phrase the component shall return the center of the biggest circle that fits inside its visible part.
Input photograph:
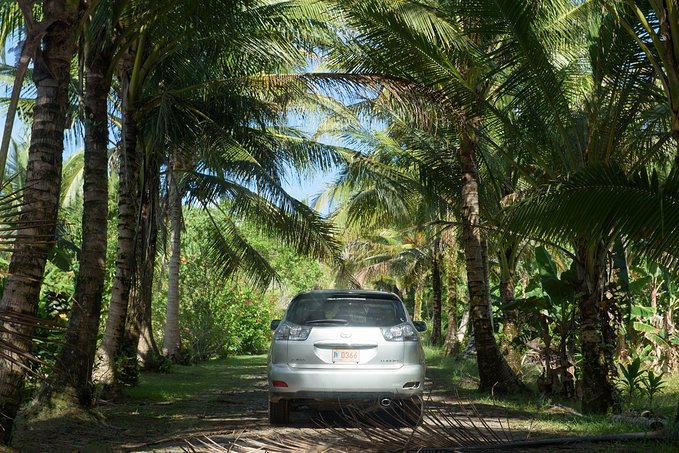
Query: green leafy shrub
(631, 376)
(249, 313)
(204, 321)
(652, 384)
(220, 319)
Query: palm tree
(640, 208)
(383, 188)
(74, 373)
(187, 105)
(431, 46)
(171, 344)
(136, 66)
(51, 76)
(574, 116)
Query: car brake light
(401, 332)
(279, 384)
(293, 332)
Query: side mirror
(274, 324)
(420, 326)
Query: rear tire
(279, 413)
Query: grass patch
(545, 416)
(457, 372)
(230, 374)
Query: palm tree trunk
(126, 359)
(41, 196)
(451, 343)
(77, 357)
(419, 299)
(171, 345)
(464, 327)
(494, 372)
(510, 328)
(128, 199)
(436, 297)
(142, 284)
(147, 349)
(598, 392)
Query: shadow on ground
(227, 400)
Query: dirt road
(226, 401)
(222, 401)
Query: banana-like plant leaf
(558, 289)
(646, 328)
(638, 285)
(641, 312)
(530, 304)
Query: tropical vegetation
(509, 168)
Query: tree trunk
(436, 297)
(494, 372)
(451, 344)
(171, 345)
(142, 284)
(510, 327)
(76, 360)
(128, 200)
(126, 359)
(419, 299)
(34, 240)
(463, 326)
(598, 392)
(148, 354)
(675, 135)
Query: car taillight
(401, 332)
(293, 332)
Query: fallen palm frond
(442, 427)
(402, 426)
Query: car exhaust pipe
(385, 402)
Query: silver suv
(346, 346)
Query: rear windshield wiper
(328, 321)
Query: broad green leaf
(646, 328)
(638, 286)
(641, 311)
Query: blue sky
(300, 187)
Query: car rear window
(346, 310)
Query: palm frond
(642, 208)
(230, 251)
(72, 178)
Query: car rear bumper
(345, 384)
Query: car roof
(326, 293)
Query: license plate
(346, 356)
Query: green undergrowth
(542, 416)
(528, 414)
(230, 374)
